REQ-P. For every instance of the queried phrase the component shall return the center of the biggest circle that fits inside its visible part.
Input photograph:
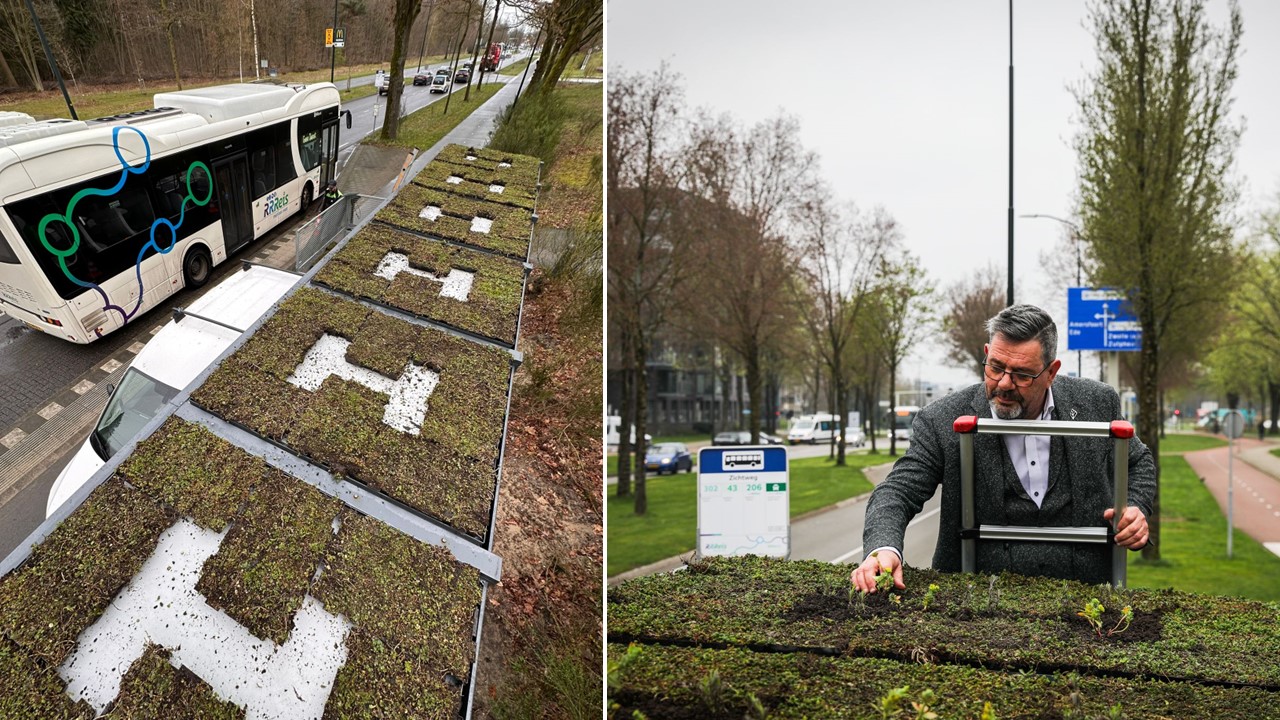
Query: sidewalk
(1255, 475)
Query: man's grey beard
(1013, 413)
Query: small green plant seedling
(1093, 613)
(930, 594)
(891, 702)
(988, 712)
(712, 690)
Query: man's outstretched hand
(864, 577)
(1132, 532)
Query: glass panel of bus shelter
(232, 179)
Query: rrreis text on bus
(104, 219)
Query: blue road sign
(1101, 319)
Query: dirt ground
(546, 613)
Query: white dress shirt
(1030, 455)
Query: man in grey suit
(1025, 480)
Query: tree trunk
(405, 12)
(1274, 390)
(842, 416)
(642, 413)
(167, 18)
(754, 391)
(626, 413)
(893, 410)
(9, 80)
(1149, 372)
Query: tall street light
(1009, 294)
(1075, 233)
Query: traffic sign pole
(1232, 427)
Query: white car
(168, 363)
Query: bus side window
(283, 141)
(7, 255)
(309, 150)
(263, 170)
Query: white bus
(101, 220)
(902, 417)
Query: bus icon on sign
(748, 460)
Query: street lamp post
(1075, 232)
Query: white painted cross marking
(407, 404)
(161, 606)
(456, 285)
(453, 180)
(496, 189)
(430, 212)
(481, 224)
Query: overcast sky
(907, 105)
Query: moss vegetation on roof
(448, 471)
(69, 579)
(262, 571)
(664, 681)
(416, 608)
(509, 234)
(492, 308)
(1008, 621)
(153, 689)
(524, 167)
(476, 182)
(413, 606)
(31, 689)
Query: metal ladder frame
(1118, 430)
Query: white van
(612, 436)
(177, 354)
(813, 429)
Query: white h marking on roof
(407, 404)
(161, 606)
(456, 285)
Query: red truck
(489, 62)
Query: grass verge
(427, 126)
(515, 68)
(670, 525)
(1187, 442)
(1193, 536)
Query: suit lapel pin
(1073, 413)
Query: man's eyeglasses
(1020, 379)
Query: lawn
(427, 126)
(1187, 442)
(515, 68)
(1193, 540)
(670, 525)
(594, 68)
(1276, 452)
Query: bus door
(329, 152)
(231, 177)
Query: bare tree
(970, 303)
(839, 257)
(752, 180)
(406, 12)
(646, 235)
(903, 315)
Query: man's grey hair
(1020, 323)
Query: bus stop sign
(744, 501)
(1101, 319)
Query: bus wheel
(196, 267)
(308, 194)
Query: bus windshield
(130, 406)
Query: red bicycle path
(1255, 477)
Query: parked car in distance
(669, 458)
(422, 79)
(175, 356)
(462, 76)
(440, 84)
